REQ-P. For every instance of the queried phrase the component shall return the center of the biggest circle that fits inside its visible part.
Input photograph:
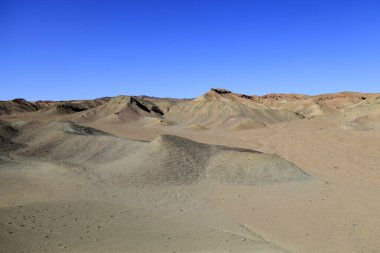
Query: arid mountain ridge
(218, 108)
(269, 101)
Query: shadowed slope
(122, 109)
(7, 134)
(7, 131)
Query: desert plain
(223, 172)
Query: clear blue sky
(76, 49)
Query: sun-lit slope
(220, 108)
(364, 115)
(176, 160)
(369, 107)
(67, 141)
(298, 103)
(312, 105)
(167, 160)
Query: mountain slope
(122, 109)
(220, 108)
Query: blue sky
(77, 49)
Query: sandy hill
(166, 160)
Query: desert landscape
(223, 172)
